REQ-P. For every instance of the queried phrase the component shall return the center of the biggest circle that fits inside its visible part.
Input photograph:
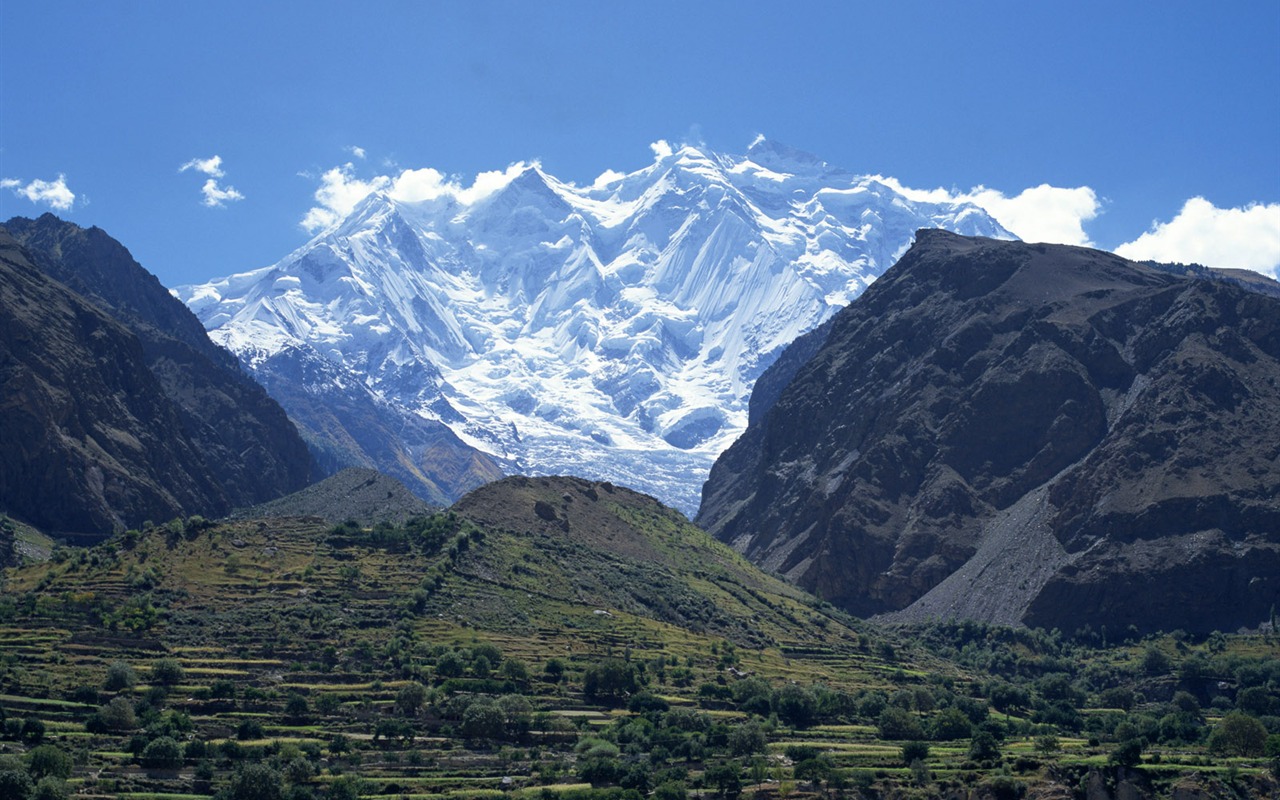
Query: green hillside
(551, 637)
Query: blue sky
(1129, 111)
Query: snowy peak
(612, 331)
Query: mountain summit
(613, 331)
(1021, 433)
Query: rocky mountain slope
(91, 442)
(1023, 433)
(249, 446)
(355, 493)
(129, 413)
(613, 331)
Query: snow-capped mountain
(612, 331)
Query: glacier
(612, 331)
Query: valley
(535, 641)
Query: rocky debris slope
(1023, 433)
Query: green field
(306, 660)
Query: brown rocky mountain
(249, 445)
(1023, 433)
(214, 438)
(91, 442)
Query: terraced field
(465, 656)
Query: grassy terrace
(195, 659)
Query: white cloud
(661, 148)
(54, 193)
(215, 196)
(607, 177)
(1202, 233)
(358, 152)
(341, 190)
(209, 166)
(1042, 213)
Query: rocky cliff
(245, 439)
(1023, 434)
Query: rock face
(248, 444)
(1023, 434)
(116, 406)
(91, 442)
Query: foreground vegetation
(441, 658)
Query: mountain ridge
(613, 331)
(1114, 421)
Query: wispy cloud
(356, 151)
(215, 195)
(209, 166)
(1202, 233)
(1041, 213)
(53, 193)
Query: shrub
(51, 788)
(119, 676)
(47, 760)
(162, 753)
(897, 724)
(256, 782)
(16, 784)
(795, 705)
(914, 751)
(167, 672)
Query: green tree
(795, 705)
(118, 715)
(120, 676)
(163, 752)
(1127, 754)
(51, 788)
(897, 724)
(915, 751)
(950, 724)
(256, 782)
(746, 739)
(483, 719)
(609, 682)
(984, 747)
(167, 672)
(450, 665)
(1238, 734)
(725, 778)
(46, 760)
(16, 784)
(296, 707)
(410, 698)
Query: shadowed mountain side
(1024, 433)
(346, 425)
(91, 442)
(243, 436)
